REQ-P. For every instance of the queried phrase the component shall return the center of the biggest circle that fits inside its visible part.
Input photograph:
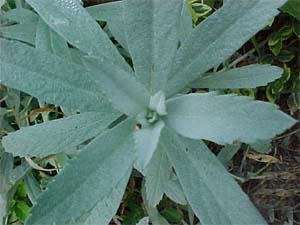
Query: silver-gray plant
(92, 77)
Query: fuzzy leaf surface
(46, 78)
(157, 175)
(144, 221)
(61, 135)
(109, 206)
(103, 164)
(218, 37)
(225, 118)
(20, 32)
(227, 152)
(123, 90)
(152, 34)
(212, 193)
(73, 22)
(48, 40)
(155, 217)
(174, 190)
(245, 77)
(111, 13)
(146, 142)
(21, 15)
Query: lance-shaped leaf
(124, 91)
(103, 165)
(262, 146)
(69, 18)
(21, 15)
(62, 135)
(111, 13)
(228, 152)
(152, 36)
(46, 78)
(144, 221)
(174, 190)
(212, 193)
(154, 215)
(186, 21)
(218, 37)
(245, 77)
(157, 176)
(225, 118)
(48, 40)
(109, 206)
(20, 32)
(146, 141)
(6, 169)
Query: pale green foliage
(48, 40)
(168, 55)
(20, 32)
(206, 185)
(146, 141)
(100, 169)
(228, 152)
(152, 50)
(62, 135)
(157, 174)
(218, 37)
(46, 77)
(144, 221)
(174, 190)
(244, 77)
(225, 118)
(68, 18)
(21, 15)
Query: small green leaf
(172, 215)
(292, 7)
(225, 118)
(296, 27)
(275, 49)
(22, 210)
(245, 77)
(285, 56)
